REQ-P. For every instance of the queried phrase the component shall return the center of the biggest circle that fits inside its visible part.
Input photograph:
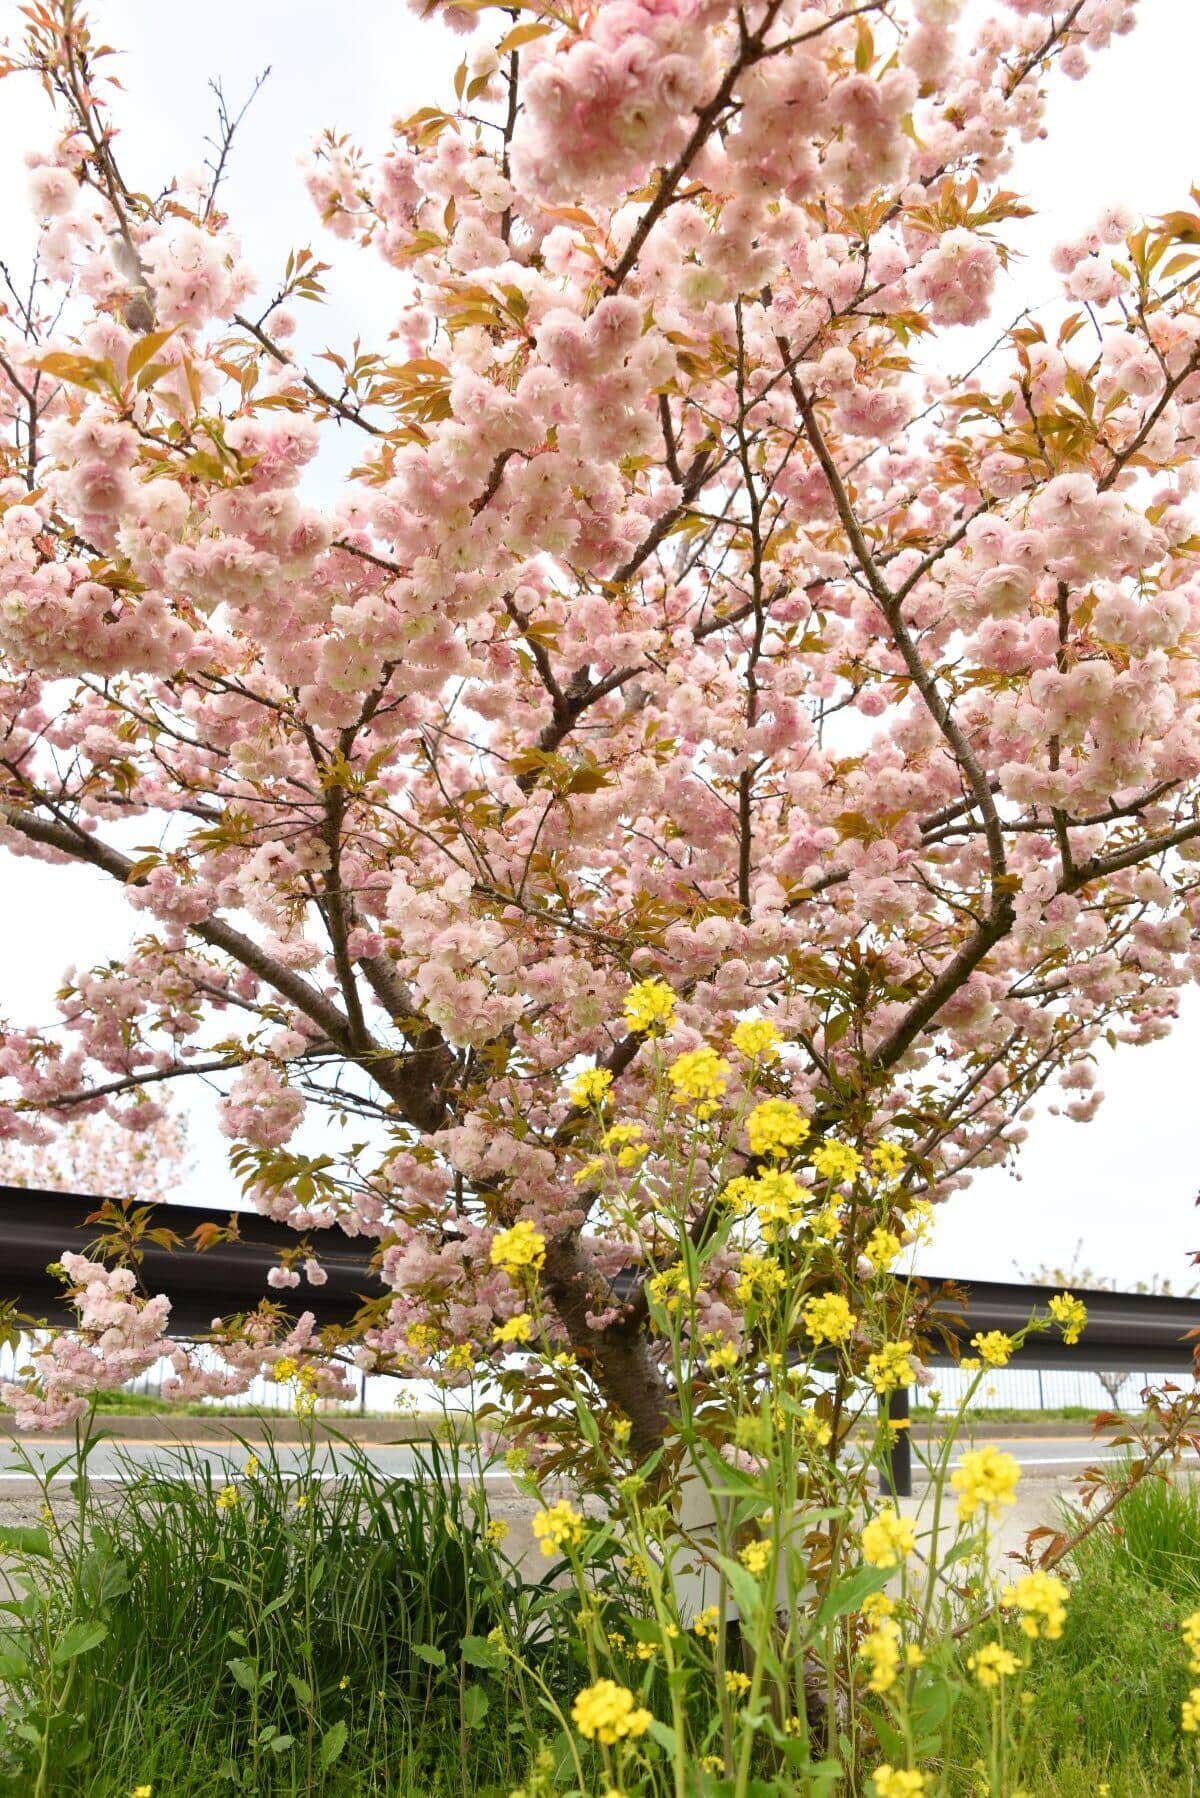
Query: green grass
(275, 1648)
(1119, 1673)
(1105, 1698)
(1154, 1539)
(339, 1647)
(1107, 1695)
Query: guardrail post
(895, 1469)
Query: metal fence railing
(1042, 1389)
(1009, 1388)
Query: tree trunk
(618, 1357)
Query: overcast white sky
(1125, 1184)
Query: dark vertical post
(895, 1472)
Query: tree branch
(351, 414)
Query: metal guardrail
(36, 1227)
(1124, 1330)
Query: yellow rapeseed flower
(738, 1194)
(304, 1398)
(992, 1663)
(1189, 1717)
(818, 1431)
(829, 1318)
(227, 1498)
(898, 1782)
(699, 1076)
(558, 1526)
(1070, 1314)
(891, 1367)
(836, 1160)
(778, 1201)
(757, 1038)
(826, 1224)
(649, 1007)
(626, 1141)
(704, 1623)
(590, 1087)
(883, 1245)
(888, 1159)
(514, 1329)
(518, 1248)
(723, 1357)
(881, 1651)
(755, 1556)
(1041, 1598)
(888, 1539)
(918, 1221)
(606, 1712)
(776, 1128)
(736, 1683)
(667, 1287)
(986, 1479)
(995, 1348)
(759, 1278)
(1190, 1630)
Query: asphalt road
(117, 1462)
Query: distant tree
(100, 1158)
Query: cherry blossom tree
(101, 1157)
(686, 626)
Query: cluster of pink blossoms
(118, 1336)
